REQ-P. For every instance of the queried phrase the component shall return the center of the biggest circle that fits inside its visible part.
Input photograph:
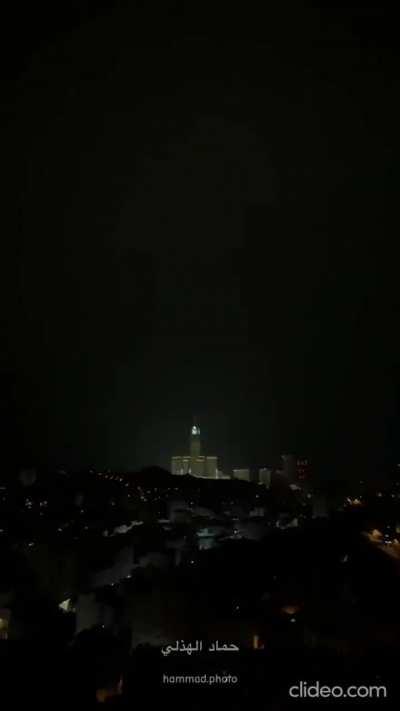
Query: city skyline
(199, 372)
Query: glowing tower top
(195, 444)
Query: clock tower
(195, 446)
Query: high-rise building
(212, 467)
(180, 465)
(303, 468)
(289, 466)
(195, 443)
(195, 463)
(243, 474)
(264, 477)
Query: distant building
(303, 469)
(180, 465)
(243, 474)
(264, 477)
(221, 475)
(212, 467)
(289, 466)
(257, 511)
(79, 499)
(195, 463)
(27, 477)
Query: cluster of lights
(393, 495)
(357, 501)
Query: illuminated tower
(195, 464)
(195, 446)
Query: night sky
(200, 218)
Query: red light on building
(303, 469)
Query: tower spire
(195, 446)
(195, 427)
